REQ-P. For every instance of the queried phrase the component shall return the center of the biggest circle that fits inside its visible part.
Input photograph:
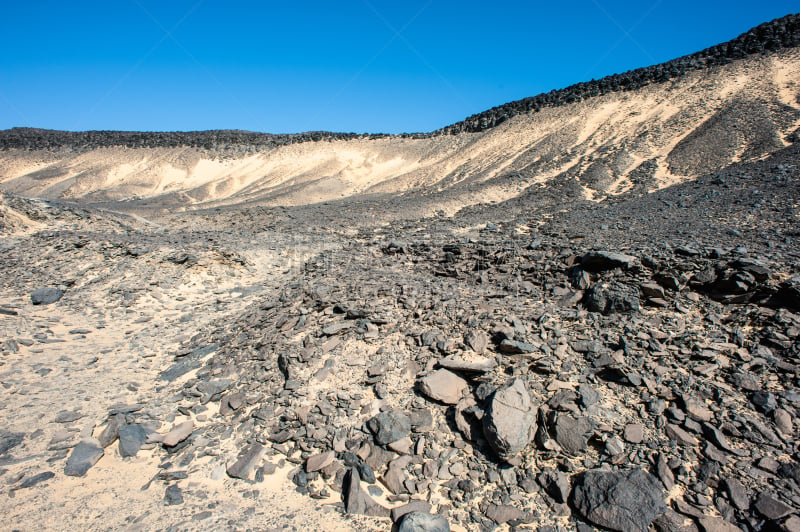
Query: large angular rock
(83, 457)
(423, 522)
(444, 386)
(46, 296)
(131, 439)
(770, 507)
(611, 298)
(356, 500)
(510, 422)
(620, 500)
(389, 426)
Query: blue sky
(362, 65)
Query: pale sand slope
(599, 141)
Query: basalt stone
(83, 457)
(9, 440)
(357, 501)
(597, 261)
(423, 522)
(247, 461)
(131, 439)
(173, 495)
(612, 298)
(627, 501)
(388, 427)
(46, 296)
(510, 421)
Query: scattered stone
(357, 501)
(35, 480)
(67, 416)
(473, 365)
(612, 298)
(770, 507)
(83, 457)
(444, 386)
(477, 341)
(46, 296)
(634, 433)
(597, 261)
(510, 422)
(570, 433)
(503, 513)
(173, 495)
(178, 434)
(623, 500)
(9, 440)
(244, 467)
(423, 522)
(737, 494)
(413, 506)
(320, 461)
(676, 433)
(111, 431)
(388, 427)
(715, 524)
(131, 439)
(513, 347)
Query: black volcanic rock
(612, 298)
(627, 500)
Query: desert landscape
(580, 310)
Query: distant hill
(773, 36)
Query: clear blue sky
(361, 65)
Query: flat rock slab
(472, 365)
(444, 386)
(83, 457)
(178, 434)
(412, 506)
(772, 508)
(627, 501)
(596, 261)
(476, 340)
(173, 495)
(111, 431)
(320, 461)
(35, 480)
(246, 464)
(67, 416)
(46, 296)
(715, 524)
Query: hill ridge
(779, 34)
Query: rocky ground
(538, 364)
